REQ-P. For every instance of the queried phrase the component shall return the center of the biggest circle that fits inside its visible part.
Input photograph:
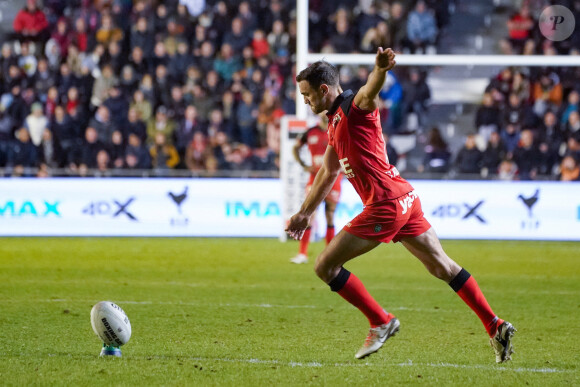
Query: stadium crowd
(118, 85)
(109, 87)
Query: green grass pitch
(236, 312)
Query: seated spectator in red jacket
(30, 23)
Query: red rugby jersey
(357, 138)
(317, 140)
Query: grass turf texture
(236, 312)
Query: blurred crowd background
(198, 87)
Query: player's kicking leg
(427, 248)
(329, 267)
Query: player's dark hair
(319, 73)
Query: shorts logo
(407, 202)
(378, 228)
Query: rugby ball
(111, 323)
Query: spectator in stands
(50, 152)
(469, 158)
(27, 61)
(176, 105)
(391, 108)
(22, 154)
(88, 151)
(67, 135)
(521, 86)
(340, 36)
(572, 126)
(260, 45)
(416, 97)
(116, 150)
(161, 124)
(227, 62)
(138, 62)
(437, 155)
(236, 36)
(103, 124)
(246, 115)
(526, 155)
(398, 25)
(142, 106)
(487, 117)
(30, 24)
(43, 79)
(570, 106)
(129, 80)
(102, 85)
(147, 87)
(494, 153)
(278, 38)
(197, 153)
(163, 155)
(134, 125)
(569, 169)
(188, 126)
(520, 26)
(108, 31)
(507, 170)
(136, 154)
(421, 29)
(516, 111)
(375, 37)
(179, 62)
(62, 36)
(117, 105)
(203, 103)
(263, 159)
(547, 93)
(80, 36)
(510, 136)
(36, 123)
(550, 133)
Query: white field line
(409, 363)
(375, 287)
(220, 305)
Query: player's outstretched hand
(297, 225)
(385, 59)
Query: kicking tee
(356, 136)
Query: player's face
(312, 97)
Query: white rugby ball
(111, 323)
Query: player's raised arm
(366, 98)
(322, 185)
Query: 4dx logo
(114, 208)
(454, 210)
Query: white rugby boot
(300, 258)
(501, 342)
(377, 337)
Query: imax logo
(17, 209)
(258, 209)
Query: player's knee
(442, 269)
(324, 271)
